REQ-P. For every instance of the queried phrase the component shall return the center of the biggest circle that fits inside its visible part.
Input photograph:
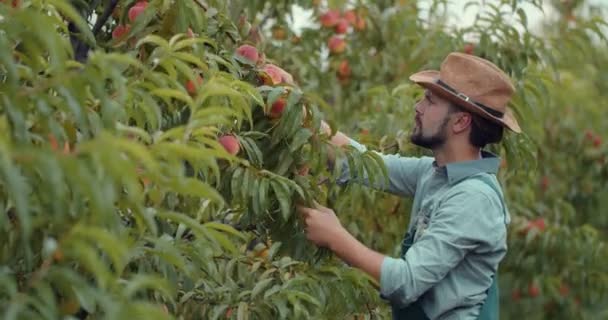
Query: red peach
(336, 44)
(277, 108)
(277, 74)
(249, 53)
(361, 24)
(137, 9)
(230, 143)
(192, 87)
(330, 18)
(468, 48)
(533, 290)
(342, 26)
(564, 289)
(344, 69)
(350, 16)
(120, 31)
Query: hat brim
(428, 79)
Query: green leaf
(222, 240)
(148, 282)
(281, 192)
(299, 139)
(243, 311)
(260, 286)
(224, 228)
(173, 93)
(156, 40)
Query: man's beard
(430, 142)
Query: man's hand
(324, 229)
(321, 224)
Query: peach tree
(153, 152)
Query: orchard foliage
(152, 153)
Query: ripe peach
(277, 108)
(192, 87)
(350, 16)
(230, 143)
(342, 26)
(137, 9)
(277, 74)
(597, 141)
(468, 48)
(336, 44)
(120, 31)
(330, 18)
(344, 70)
(360, 24)
(249, 53)
(533, 290)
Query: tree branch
(104, 17)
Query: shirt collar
(457, 171)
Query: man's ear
(463, 121)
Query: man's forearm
(353, 252)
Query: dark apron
(489, 309)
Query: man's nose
(418, 107)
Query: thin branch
(104, 17)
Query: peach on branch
(276, 75)
(330, 18)
(350, 16)
(192, 86)
(277, 108)
(344, 69)
(120, 31)
(230, 143)
(342, 26)
(533, 290)
(468, 48)
(137, 9)
(336, 44)
(360, 25)
(248, 53)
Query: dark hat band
(464, 97)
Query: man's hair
(483, 131)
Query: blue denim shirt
(460, 222)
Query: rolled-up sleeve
(462, 223)
(403, 172)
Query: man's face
(432, 118)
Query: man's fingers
(323, 208)
(303, 211)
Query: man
(457, 232)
